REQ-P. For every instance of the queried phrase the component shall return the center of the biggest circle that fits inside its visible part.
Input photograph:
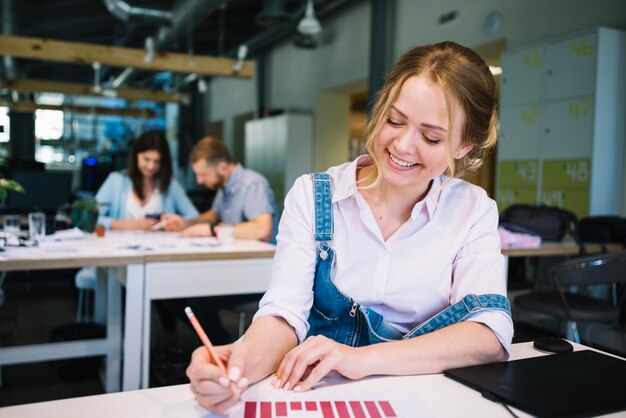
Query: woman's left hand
(318, 355)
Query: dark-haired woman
(145, 188)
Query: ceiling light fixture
(242, 52)
(202, 87)
(309, 25)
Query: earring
(458, 155)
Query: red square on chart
(249, 410)
(342, 409)
(281, 409)
(295, 406)
(387, 409)
(357, 409)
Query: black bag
(603, 229)
(550, 223)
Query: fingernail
(223, 381)
(234, 374)
(297, 388)
(243, 382)
(277, 384)
(287, 384)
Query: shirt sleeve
(290, 292)
(260, 200)
(479, 269)
(182, 203)
(106, 197)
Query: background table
(558, 248)
(115, 266)
(150, 266)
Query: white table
(116, 264)
(411, 396)
(150, 266)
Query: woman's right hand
(212, 389)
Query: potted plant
(84, 214)
(7, 185)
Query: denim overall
(341, 318)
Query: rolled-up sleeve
(479, 269)
(290, 293)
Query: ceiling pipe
(273, 13)
(186, 15)
(128, 13)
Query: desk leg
(133, 327)
(147, 321)
(114, 333)
(99, 308)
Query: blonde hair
(465, 77)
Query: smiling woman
(370, 250)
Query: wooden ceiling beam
(116, 56)
(29, 107)
(45, 86)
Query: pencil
(159, 225)
(208, 345)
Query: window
(48, 124)
(5, 132)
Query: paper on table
(67, 234)
(336, 397)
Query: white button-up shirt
(449, 248)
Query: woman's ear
(462, 152)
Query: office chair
(570, 302)
(244, 309)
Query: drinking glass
(12, 225)
(37, 225)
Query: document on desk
(151, 242)
(334, 398)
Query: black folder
(576, 384)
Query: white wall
(228, 97)
(296, 76)
(524, 21)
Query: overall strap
(324, 226)
(468, 306)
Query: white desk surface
(119, 248)
(410, 396)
